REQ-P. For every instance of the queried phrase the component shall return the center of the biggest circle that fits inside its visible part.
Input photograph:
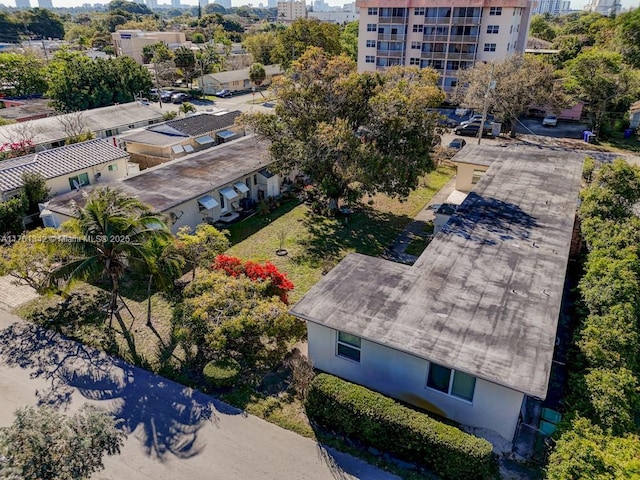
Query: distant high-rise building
(553, 7)
(152, 4)
(604, 7)
(175, 3)
(45, 4)
(224, 3)
(204, 3)
(448, 39)
(23, 4)
(320, 6)
(291, 10)
(272, 3)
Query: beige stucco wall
(60, 184)
(464, 176)
(132, 47)
(404, 377)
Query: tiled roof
(57, 162)
(200, 124)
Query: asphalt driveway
(174, 432)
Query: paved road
(175, 432)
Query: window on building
(518, 28)
(418, 28)
(372, 27)
(414, 61)
(255, 179)
(477, 175)
(511, 29)
(489, 47)
(452, 382)
(79, 180)
(372, 11)
(508, 46)
(495, 10)
(348, 346)
(222, 200)
(416, 45)
(418, 11)
(493, 28)
(370, 59)
(113, 167)
(371, 43)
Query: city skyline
(626, 4)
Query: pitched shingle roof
(57, 162)
(196, 125)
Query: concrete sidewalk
(416, 227)
(174, 432)
(12, 295)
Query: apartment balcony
(463, 39)
(461, 56)
(466, 20)
(437, 20)
(435, 38)
(391, 37)
(434, 55)
(390, 53)
(399, 20)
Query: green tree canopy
(601, 79)
(260, 45)
(349, 40)
(352, 133)
(43, 23)
(257, 73)
(628, 36)
(127, 6)
(540, 28)
(43, 444)
(35, 190)
(24, 73)
(292, 42)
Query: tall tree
(349, 40)
(111, 232)
(23, 73)
(257, 74)
(43, 23)
(292, 42)
(505, 91)
(540, 28)
(260, 45)
(43, 444)
(35, 190)
(601, 79)
(352, 133)
(628, 36)
(185, 60)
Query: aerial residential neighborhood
(307, 240)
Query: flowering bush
(279, 284)
(15, 149)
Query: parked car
(462, 112)
(165, 96)
(223, 93)
(477, 117)
(269, 104)
(179, 97)
(472, 128)
(550, 121)
(457, 143)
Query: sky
(73, 3)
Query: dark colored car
(472, 128)
(457, 143)
(179, 97)
(223, 93)
(165, 97)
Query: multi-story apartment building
(23, 4)
(446, 38)
(553, 7)
(605, 7)
(45, 4)
(291, 10)
(132, 42)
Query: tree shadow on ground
(489, 221)
(365, 231)
(166, 416)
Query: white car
(550, 121)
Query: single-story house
(24, 109)
(66, 168)
(176, 138)
(634, 115)
(208, 186)
(52, 132)
(235, 80)
(468, 331)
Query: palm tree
(111, 232)
(257, 74)
(164, 267)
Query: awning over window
(188, 149)
(207, 202)
(205, 140)
(229, 193)
(226, 134)
(177, 149)
(241, 187)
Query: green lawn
(315, 243)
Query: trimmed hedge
(382, 423)
(222, 373)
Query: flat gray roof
(50, 129)
(178, 181)
(485, 295)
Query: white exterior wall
(464, 176)
(404, 377)
(363, 36)
(61, 184)
(506, 39)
